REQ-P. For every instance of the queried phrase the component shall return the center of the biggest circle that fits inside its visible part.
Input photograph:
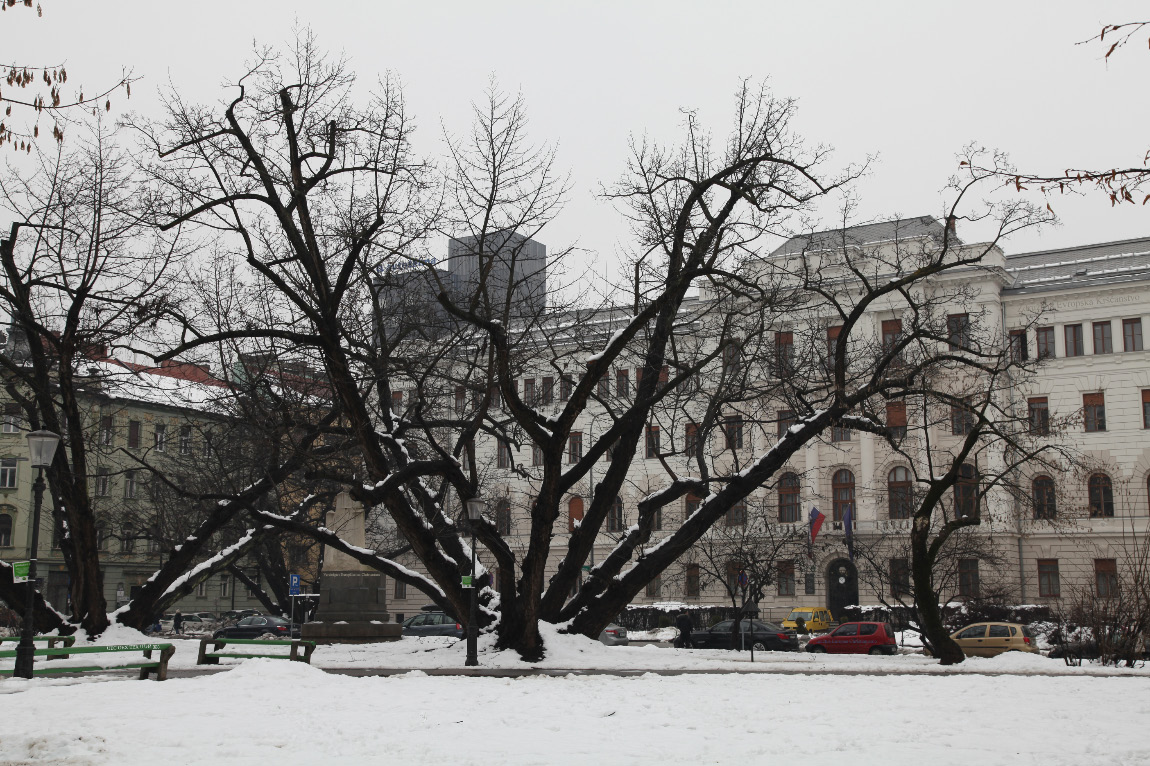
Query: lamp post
(42, 446)
(475, 508)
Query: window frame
(958, 331)
(1044, 339)
(1075, 342)
(788, 491)
(1094, 412)
(842, 493)
(1043, 495)
(1132, 334)
(900, 494)
(1100, 496)
(1049, 579)
(1103, 336)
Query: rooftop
(1102, 263)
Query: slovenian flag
(816, 523)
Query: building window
(225, 585)
(692, 586)
(1048, 583)
(1103, 343)
(1042, 492)
(736, 515)
(1018, 349)
(832, 345)
(130, 485)
(101, 487)
(548, 393)
(1039, 414)
(691, 439)
(529, 392)
(789, 508)
(8, 473)
(106, 430)
(891, 335)
(784, 354)
(604, 386)
(202, 589)
(654, 587)
(899, 578)
(622, 382)
(842, 493)
(575, 447)
(962, 419)
(461, 399)
(574, 513)
(160, 438)
(896, 419)
(12, 419)
(657, 521)
(1045, 337)
(968, 578)
(958, 331)
(536, 455)
(397, 402)
(502, 454)
(503, 517)
(734, 570)
(206, 446)
(732, 357)
(1106, 577)
(1094, 411)
(652, 441)
(786, 578)
(566, 386)
(400, 589)
(1101, 495)
(785, 421)
(1146, 408)
(690, 505)
(840, 433)
(5, 530)
(185, 440)
(1074, 345)
(615, 516)
(128, 540)
(1131, 334)
(133, 434)
(733, 432)
(898, 493)
(966, 492)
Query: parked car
(816, 619)
(765, 636)
(989, 639)
(256, 626)
(206, 616)
(433, 624)
(613, 635)
(192, 623)
(856, 638)
(239, 614)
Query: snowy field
(905, 710)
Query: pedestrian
(683, 623)
(801, 626)
(178, 622)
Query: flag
(848, 526)
(816, 523)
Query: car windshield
(795, 615)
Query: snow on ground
(264, 711)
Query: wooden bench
(158, 666)
(213, 657)
(50, 640)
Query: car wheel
(875, 651)
(759, 646)
(816, 650)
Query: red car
(856, 638)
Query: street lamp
(42, 446)
(475, 508)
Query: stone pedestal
(352, 597)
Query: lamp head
(42, 446)
(475, 508)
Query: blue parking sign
(293, 585)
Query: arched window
(503, 516)
(843, 493)
(1043, 496)
(966, 492)
(5, 530)
(615, 516)
(898, 493)
(789, 498)
(574, 512)
(1101, 494)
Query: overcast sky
(912, 82)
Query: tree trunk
(926, 599)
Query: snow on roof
(181, 385)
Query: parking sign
(293, 585)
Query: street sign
(466, 582)
(586, 567)
(743, 578)
(293, 585)
(20, 570)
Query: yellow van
(816, 618)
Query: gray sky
(912, 82)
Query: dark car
(256, 626)
(764, 636)
(432, 624)
(856, 638)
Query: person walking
(178, 622)
(683, 623)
